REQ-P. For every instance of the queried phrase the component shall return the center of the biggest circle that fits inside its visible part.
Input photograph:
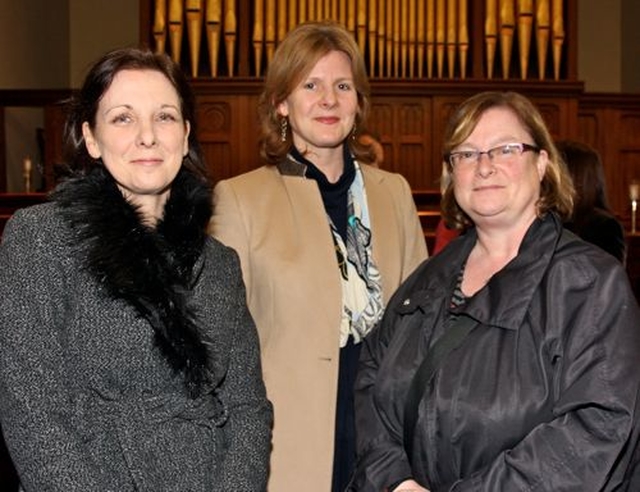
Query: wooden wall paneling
(54, 121)
(3, 154)
(570, 115)
(414, 164)
(560, 115)
(249, 150)
(611, 124)
(403, 124)
(611, 148)
(591, 131)
(414, 141)
(627, 162)
(380, 123)
(443, 108)
(216, 133)
(228, 132)
(589, 128)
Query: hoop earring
(284, 126)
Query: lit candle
(26, 173)
(634, 193)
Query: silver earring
(284, 126)
(354, 132)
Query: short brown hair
(556, 188)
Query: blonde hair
(294, 58)
(556, 188)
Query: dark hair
(556, 188)
(83, 106)
(587, 173)
(294, 58)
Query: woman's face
(499, 194)
(323, 107)
(140, 134)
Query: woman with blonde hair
(324, 239)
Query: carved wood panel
(228, 132)
(403, 125)
(443, 108)
(611, 124)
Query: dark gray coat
(543, 395)
(88, 401)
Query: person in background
(369, 140)
(443, 236)
(592, 218)
(509, 361)
(324, 239)
(128, 358)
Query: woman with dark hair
(128, 358)
(592, 218)
(324, 238)
(509, 361)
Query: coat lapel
(313, 234)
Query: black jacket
(601, 228)
(543, 395)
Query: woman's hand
(410, 486)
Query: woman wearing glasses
(534, 384)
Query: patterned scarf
(361, 283)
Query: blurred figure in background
(592, 218)
(370, 140)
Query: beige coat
(276, 221)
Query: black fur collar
(151, 269)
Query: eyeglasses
(503, 154)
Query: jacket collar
(291, 167)
(294, 164)
(504, 301)
(152, 270)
